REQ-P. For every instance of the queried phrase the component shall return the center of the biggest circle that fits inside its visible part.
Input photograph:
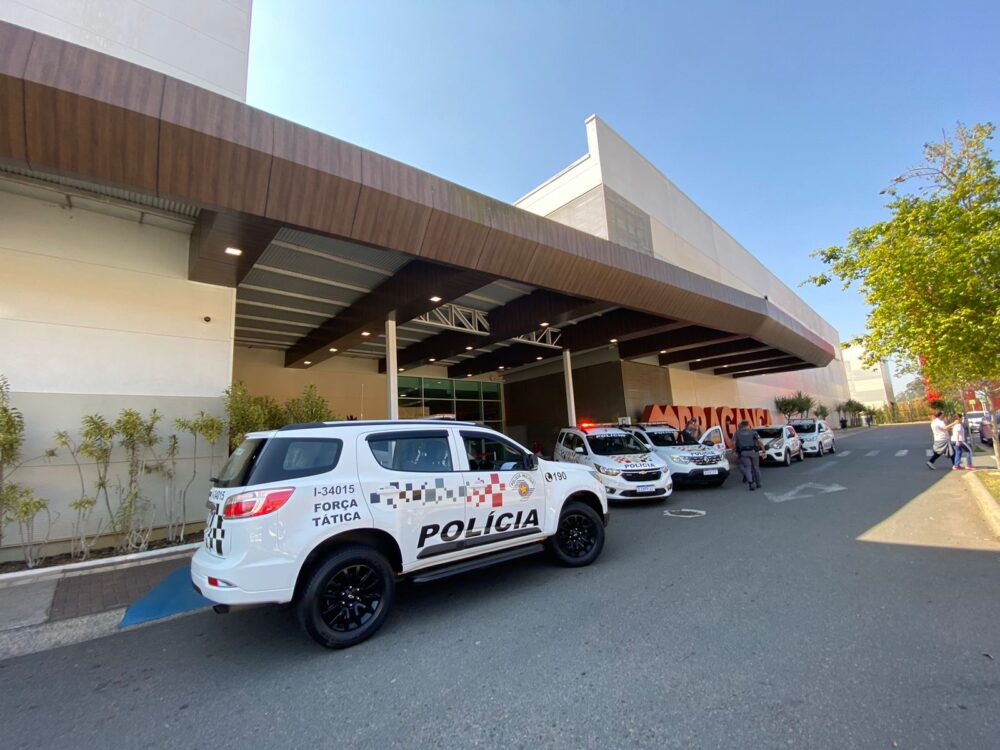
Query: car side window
(291, 458)
(572, 442)
(489, 453)
(423, 452)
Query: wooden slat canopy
(74, 112)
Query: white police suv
(690, 461)
(781, 443)
(628, 469)
(330, 515)
(816, 435)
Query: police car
(781, 444)
(329, 515)
(628, 469)
(816, 435)
(690, 461)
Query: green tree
(821, 411)
(803, 403)
(786, 406)
(931, 272)
(914, 390)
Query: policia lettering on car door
(444, 503)
(506, 499)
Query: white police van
(329, 515)
(701, 461)
(628, 469)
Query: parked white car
(330, 515)
(690, 461)
(781, 443)
(975, 419)
(816, 435)
(627, 468)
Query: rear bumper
(239, 577)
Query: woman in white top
(961, 443)
(940, 432)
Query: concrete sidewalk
(63, 608)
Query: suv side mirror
(531, 462)
(579, 449)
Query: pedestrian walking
(747, 445)
(942, 438)
(960, 443)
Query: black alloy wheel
(579, 538)
(347, 597)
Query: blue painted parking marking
(171, 596)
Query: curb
(32, 639)
(96, 566)
(988, 506)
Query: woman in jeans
(960, 441)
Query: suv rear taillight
(256, 503)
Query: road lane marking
(872, 453)
(845, 453)
(800, 492)
(902, 452)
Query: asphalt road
(763, 624)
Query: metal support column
(391, 370)
(568, 375)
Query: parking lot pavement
(759, 624)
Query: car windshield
(768, 432)
(804, 426)
(668, 438)
(614, 445)
(974, 414)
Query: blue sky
(783, 120)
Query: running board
(480, 562)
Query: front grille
(636, 493)
(640, 476)
(704, 460)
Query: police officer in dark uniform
(691, 432)
(747, 445)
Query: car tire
(819, 450)
(347, 597)
(802, 455)
(787, 460)
(833, 446)
(579, 537)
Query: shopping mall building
(159, 239)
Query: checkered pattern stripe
(629, 459)
(405, 493)
(214, 534)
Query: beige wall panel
(578, 178)
(57, 480)
(826, 385)
(204, 42)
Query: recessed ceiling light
(725, 365)
(697, 360)
(469, 375)
(432, 360)
(233, 251)
(663, 351)
(307, 362)
(538, 359)
(545, 325)
(435, 298)
(614, 341)
(366, 333)
(402, 369)
(468, 348)
(502, 367)
(333, 350)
